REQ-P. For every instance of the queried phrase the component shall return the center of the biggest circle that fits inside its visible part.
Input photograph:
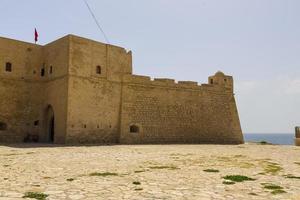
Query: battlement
(171, 83)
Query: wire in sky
(96, 21)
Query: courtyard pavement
(137, 172)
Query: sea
(274, 138)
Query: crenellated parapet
(217, 82)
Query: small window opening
(134, 129)
(36, 123)
(50, 70)
(211, 81)
(3, 126)
(42, 72)
(84, 126)
(225, 79)
(8, 67)
(98, 126)
(98, 69)
(34, 72)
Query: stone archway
(50, 125)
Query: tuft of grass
(36, 185)
(278, 192)
(136, 183)
(261, 173)
(253, 194)
(164, 167)
(292, 176)
(228, 182)
(104, 174)
(271, 186)
(6, 165)
(263, 142)
(297, 163)
(138, 189)
(238, 178)
(246, 165)
(35, 195)
(239, 156)
(70, 179)
(139, 171)
(271, 167)
(211, 170)
(276, 189)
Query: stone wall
(29, 88)
(18, 103)
(94, 99)
(169, 112)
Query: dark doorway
(49, 135)
(51, 130)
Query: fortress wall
(56, 55)
(94, 99)
(56, 96)
(19, 108)
(19, 102)
(85, 56)
(88, 54)
(166, 112)
(93, 110)
(25, 93)
(23, 56)
(23, 103)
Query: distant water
(278, 138)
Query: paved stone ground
(149, 171)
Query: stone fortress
(75, 90)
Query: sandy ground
(149, 171)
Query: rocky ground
(249, 171)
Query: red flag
(36, 35)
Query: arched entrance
(50, 125)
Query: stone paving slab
(149, 171)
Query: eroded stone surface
(164, 171)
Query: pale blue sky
(256, 41)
